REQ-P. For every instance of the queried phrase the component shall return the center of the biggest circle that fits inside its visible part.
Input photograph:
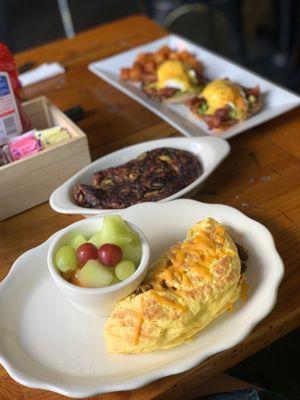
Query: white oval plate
(210, 152)
(46, 343)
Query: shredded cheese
(138, 327)
(201, 271)
(168, 302)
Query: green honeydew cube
(95, 275)
(133, 251)
(97, 239)
(77, 241)
(115, 230)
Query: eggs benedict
(167, 75)
(223, 103)
(176, 82)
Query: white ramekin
(96, 301)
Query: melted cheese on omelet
(172, 73)
(189, 286)
(221, 93)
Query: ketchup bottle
(13, 120)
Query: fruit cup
(96, 301)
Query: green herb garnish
(232, 114)
(199, 88)
(179, 92)
(203, 108)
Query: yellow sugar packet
(52, 136)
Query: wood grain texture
(21, 191)
(261, 177)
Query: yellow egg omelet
(190, 285)
(221, 93)
(172, 73)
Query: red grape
(110, 254)
(86, 252)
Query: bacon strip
(196, 103)
(219, 118)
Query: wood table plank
(261, 177)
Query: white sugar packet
(41, 73)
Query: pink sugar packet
(24, 145)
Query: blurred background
(262, 35)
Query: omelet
(223, 93)
(190, 285)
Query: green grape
(65, 259)
(116, 231)
(97, 239)
(133, 251)
(115, 279)
(124, 269)
(94, 275)
(77, 241)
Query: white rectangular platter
(276, 100)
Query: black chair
(187, 17)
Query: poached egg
(221, 93)
(173, 74)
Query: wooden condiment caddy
(30, 181)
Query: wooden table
(261, 177)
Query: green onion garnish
(203, 108)
(232, 114)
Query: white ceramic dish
(210, 151)
(45, 343)
(95, 301)
(276, 100)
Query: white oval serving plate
(210, 152)
(276, 100)
(46, 343)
